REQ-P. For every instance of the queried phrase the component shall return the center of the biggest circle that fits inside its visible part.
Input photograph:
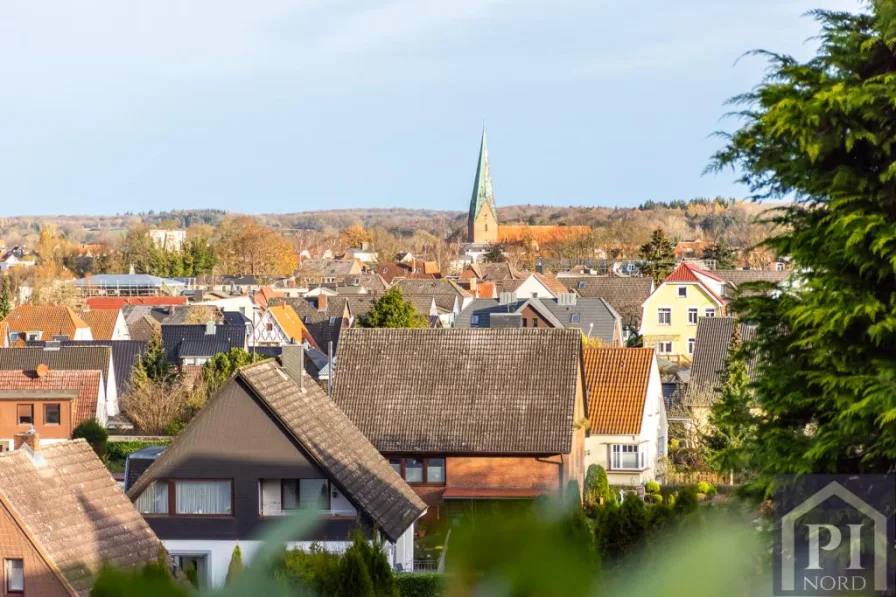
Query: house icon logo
(835, 540)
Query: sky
(109, 106)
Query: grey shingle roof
(196, 342)
(673, 397)
(710, 351)
(124, 355)
(460, 390)
(740, 276)
(624, 294)
(66, 358)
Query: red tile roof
(87, 384)
(685, 272)
(102, 322)
(264, 295)
(474, 493)
(117, 302)
(52, 320)
(617, 380)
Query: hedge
(121, 450)
(420, 584)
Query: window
(435, 470)
(31, 336)
(202, 497)
(779, 267)
(314, 494)
(269, 327)
(709, 312)
(664, 347)
(693, 314)
(307, 319)
(396, 464)
(24, 414)
(413, 470)
(664, 316)
(155, 499)
(627, 457)
(51, 414)
(332, 321)
(581, 284)
(534, 322)
(474, 320)
(691, 342)
(575, 318)
(289, 494)
(682, 292)
(15, 575)
(525, 322)
(533, 295)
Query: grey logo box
(834, 535)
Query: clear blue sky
(293, 105)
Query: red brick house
(469, 413)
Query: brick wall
(39, 579)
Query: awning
(491, 493)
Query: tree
(392, 311)
(5, 298)
(354, 579)
(156, 406)
(94, 433)
(731, 422)
(354, 237)
(821, 133)
(248, 248)
(724, 256)
(495, 254)
(235, 569)
(597, 486)
(154, 363)
(220, 367)
(658, 256)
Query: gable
(41, 576)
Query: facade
(625, 295)
(55, 533)
(269, 442)
(195, 344)
(628, 426)
(105, 324)
(466, 414)
(672, 311)
(279, 325)
(170, 240)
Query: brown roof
(86, 383)
(460, 390)
(332, 442)
(626, 295)
(711, 348)
(491, 272)
(102, 322)
(52, 320)
(490, 493)
(743, 276)
(540, 234)
(74, 512)
(617, 380)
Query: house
(106, 324)
(125, 354)
(593, 316)
(627, 416)
(689, 250)
(671, 312)
(280, 325)
(128, 285)
(325, 316)
(189, 344)
(450, 298)
(736, 277)
(206, 493)
(365, 254)
(625, 295)
(532, 285)
(51, 402)
(322, 271)
(47, 322)
(69, 358)
(491, 272)
(62, 517)
(468, 414)
(714, 343)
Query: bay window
(627, 457)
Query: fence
(692, 477)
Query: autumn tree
(246, 247)
(354, 237)
(821, 133)
(392, 311)
(658, 255)
(495, 253)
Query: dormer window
(474, 320)
(575, 318)
(32, 336)
(581, 284)
(332, 321)
(682, 292)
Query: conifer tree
(658, 255)
(235, 569)
(5, 298)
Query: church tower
(482, 222)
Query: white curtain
(314, 493)
(203, 497)
(154, 500)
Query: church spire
(482, 222)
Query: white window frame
(679, 293)
(709, 312)
(692, 342)
(617, 450)
(662, 311)
(14, 583)
(695, 311)
(661, 349)
(779, 267)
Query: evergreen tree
(821, 133)
(354, 578)
(5, 298)
(724, 256)
(392, 311)
(495, 254)
(154, 364)
(220, 367)
(658, 256)
(235, 569)
(597, 486)
(731, 423)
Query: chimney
(567, 299)
(322, 302)
(506, 298)
(28, 438)
(539, 266)
(293, 360)
(210, 328)
(42, 370)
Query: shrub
(316, 569)
(653, 498)
(236, 565)
(354, 579)
(121, 450)
(152, 580)
(95, 434)
(597, 486)
(377, 565)
(414, 584)
(652, 487)
(572, 497)
(706, 488)
(687, 500)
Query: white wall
(530, 285)
(121, 331)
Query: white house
(626, 413)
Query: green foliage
(653, 498)
(495, 254)
(597, 486)
(5, 298)
(316, 569)
(377, 565)
(652, 487)
(821, 133)
(95, 434)
(153, 364)
(658, 255)
(137, 248)
(419, 584)
(220, 367)
(392, 311)
(622, 529)
(354, 579)
(724, 256)
(686, 501)
(152, 580)
(235, 568)
(121, 450)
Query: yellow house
(669, 315)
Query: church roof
(482, 186)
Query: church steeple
(482, 222)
